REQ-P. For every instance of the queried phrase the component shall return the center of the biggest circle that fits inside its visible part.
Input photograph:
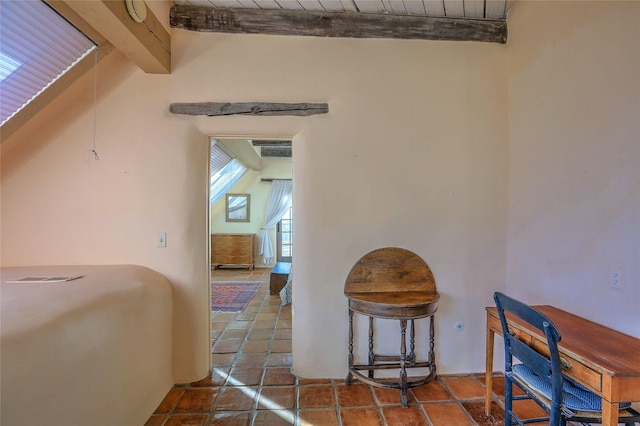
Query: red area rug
(232, 296)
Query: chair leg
(555, 418)
(508, 401)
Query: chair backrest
(390, 269)
(548, 367)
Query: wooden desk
(603, 360)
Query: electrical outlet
(161, 239)
(616, 278)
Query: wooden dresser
(232, 250)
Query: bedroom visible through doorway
(250, 167)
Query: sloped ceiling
(148, 44)
(488, 9)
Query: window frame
(279, 256)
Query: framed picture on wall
(237, 207)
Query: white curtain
(279, 203)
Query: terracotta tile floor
(251, 382)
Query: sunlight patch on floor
(278, 409)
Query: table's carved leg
(372, 356)
(349, 375)
(432, 354)
(412, 340)
(403, 362)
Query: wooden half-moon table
(394, 284)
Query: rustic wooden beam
(248, 108)
(275, 152)
(336, 24)
(271, 143)
(147, 44)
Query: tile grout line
(336, 403)
(378, 405)
(420, 405)
(458, 402)
(225, 385)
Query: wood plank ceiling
(476, 9)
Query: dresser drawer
(232, 249)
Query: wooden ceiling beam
(213, 109)
(271, 143)
(335, 24)
(147, 44)
(275, 152)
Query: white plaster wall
(413, 153)
(574, 196)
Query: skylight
(226, 178)
(7, 66)
(225, 171)
(38, 46)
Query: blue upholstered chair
(540, 377)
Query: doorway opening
(242, 167)
(249, 167)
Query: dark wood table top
(391, 282)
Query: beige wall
(60, 206)
(574, 196)
(413, 153)
(250, 183)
